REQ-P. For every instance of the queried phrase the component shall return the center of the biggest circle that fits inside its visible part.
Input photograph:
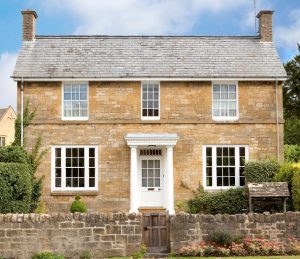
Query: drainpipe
(277, 120)
(22, 112)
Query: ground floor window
(2, 141)
(223, 166)
(74, 168)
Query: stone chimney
(265, 25)
(29, 18)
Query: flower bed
(243, 248)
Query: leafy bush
(47, 255)
(296, 191)
(286, 173)
(78, 205)
(16, 154)
(261, 171)
(231, 201)
(16, 188)
(292, 153)
(11, 154)
(220, 238)
(86, 255)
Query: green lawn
(246, 257)
(236, 257)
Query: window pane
(208, 181)
(150, 182)
(232, 88)
(157, 182)
(208, 161)
(92, 182)
(144, 182)
(92, 162)
(58, 162)
(57, 172)
(58, 182)
(92, 152)
(216, 88)
(208, 151)
(150, 173)
(242, 151)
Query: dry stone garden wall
(187, 229)
(119, 234)
(69, 234)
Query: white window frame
(1, 139)
(214, 166)
(79, 118)
(225, 118)
(63, 171)
(152, 117)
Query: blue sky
(141, 17)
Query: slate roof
(148, 56)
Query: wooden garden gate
(156, 232)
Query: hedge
(292, 153)
(261, 171)
(15, 187)
(232, 201)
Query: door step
(156, 255)
(151, 209)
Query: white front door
(151, 181)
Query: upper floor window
(223, 166)
(150, 101)
(2, 141)
(225, 101)
(75, 101)
(74, 168)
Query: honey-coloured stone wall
(115, 110)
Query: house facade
(7, 126)
(135, 123)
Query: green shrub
(86, 255)
(78, 205)
(296, 191)
(231, 201)
(47, 255)
(220, 238)
(12, 154)
(261, 171)
(285, 174)
(16, 188)
(292, 153)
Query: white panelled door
(151, 181)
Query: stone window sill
(73, 193)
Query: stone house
(7, 126)
(134, 123)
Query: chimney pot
(265, 25)
(29, 26)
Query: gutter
(22, 112)
(138, 79)
(277, 119)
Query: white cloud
(146, 17)
(8, 88)
(288, 36)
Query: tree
(291, 101)
(291, 88)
